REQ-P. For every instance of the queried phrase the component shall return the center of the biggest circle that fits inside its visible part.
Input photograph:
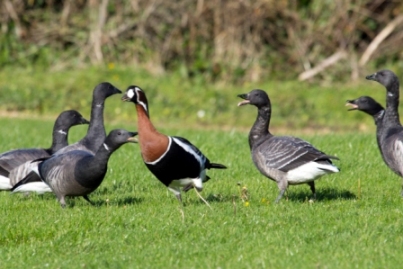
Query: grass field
(356, 222)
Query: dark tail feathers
(40, 159)
(31, 177)
(217, 166)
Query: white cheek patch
(106, 146)
(390, 94)
(130, 93)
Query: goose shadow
(325, 194)
(213, 198)
(120, 201)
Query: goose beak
(84, 121)
(243, 96)
(133, 138)
(125, 98)
(371, 77)
(350, 103)
(116, 90)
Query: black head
(70, 118)
(104, 90)
(366, 104)
(256, 97)
(385, 77)
(118, 137)
(136, 95)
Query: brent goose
(286, 160)
(173, 160)
(77, 172)
(16, 164)
(96, 131)
(390, 137)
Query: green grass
(171, 96)
(356, 222)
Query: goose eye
(119, 133)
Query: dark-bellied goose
(391, 131)
(15, 164)
(96, 131)
(286, 160)
(173, 160)
(78, 172)
(368, 105)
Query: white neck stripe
(189, 149)
(62, 132)
(162, 156)
(144, 106)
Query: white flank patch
(187, 148)
(398, 153)
(62, 132)
(34, 167)
(309, 172)
(5, 183)
(38, 187)
(197, 182)
(162, 156)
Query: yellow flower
(111, 66)
(246, 203)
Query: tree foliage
(225, 39)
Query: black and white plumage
(96, 131)
(78, 172)
(286, 160)
(16, 164)
(182, 165)
(389, 128)
(173, 160)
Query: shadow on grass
(322, 194)
(121, 201)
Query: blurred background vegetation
(193, 56)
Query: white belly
(309, 172)
(5, 183)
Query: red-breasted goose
(173, 160)
(78, 172)
(16, 164)
(390, 129)
(286, 160)
(95, 135)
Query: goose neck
(260, 128)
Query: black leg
(312, 185)
(282, 186)
(280, 195)
(88, 199)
